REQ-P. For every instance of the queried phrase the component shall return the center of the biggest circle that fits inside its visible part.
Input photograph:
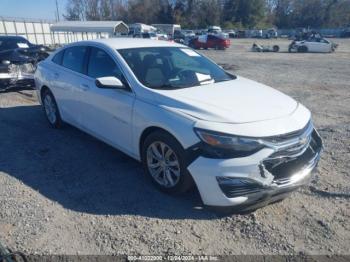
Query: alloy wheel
(163, 164)
(50, 109)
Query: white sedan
(189, 122)
(314, 45)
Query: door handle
(84, 87)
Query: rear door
(107, 112)
(66, 80)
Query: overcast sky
(38, 9)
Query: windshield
(172, 67)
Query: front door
(107, 112)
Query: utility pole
(57, 12)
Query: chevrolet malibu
(189, 122)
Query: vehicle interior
(168, 68)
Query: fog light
(235, 187)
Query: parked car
(231, 33)
(265, 48)
(271, 33)
(241, 34)
(188, 33)
(188, 121)
(18, 59)
(313, 45)
(210, 41)
(345, 33)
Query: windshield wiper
(222, 80)
(167, 86)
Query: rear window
(73, 58)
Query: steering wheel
(187, 75)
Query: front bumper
(251, 182)
(17, 76)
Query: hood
(237, 101)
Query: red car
(210, 41)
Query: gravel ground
(64, 192)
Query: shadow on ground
(81, 173)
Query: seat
(153, 75)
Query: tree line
(248, 14)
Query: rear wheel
(51, 109)
(164, 162)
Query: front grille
(292, 144)
(283, 168)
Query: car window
(57, 59)
(101, 64)
(73, 58)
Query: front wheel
(302, 49)
(51, 109)
(164, 162)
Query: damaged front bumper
(251, 182)
(17, 75)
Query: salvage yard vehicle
(265, 48)
(313, 45)
(18, 59)
(218, 42)
(243, 144)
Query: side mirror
(110, 82)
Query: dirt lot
(63, 192)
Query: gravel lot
(64, 192)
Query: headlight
(223, 145)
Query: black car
(18, 59)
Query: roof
(124, 43)
(12, 37)
(90, 26)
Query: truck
(168, 29)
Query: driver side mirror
(109, 82)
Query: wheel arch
(149, 130)
(42, 90)
(45, 88)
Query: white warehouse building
(84, 30)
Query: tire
(276, 48)
(51, 110)
(290, 48)
(154, 148)
(302, 49)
